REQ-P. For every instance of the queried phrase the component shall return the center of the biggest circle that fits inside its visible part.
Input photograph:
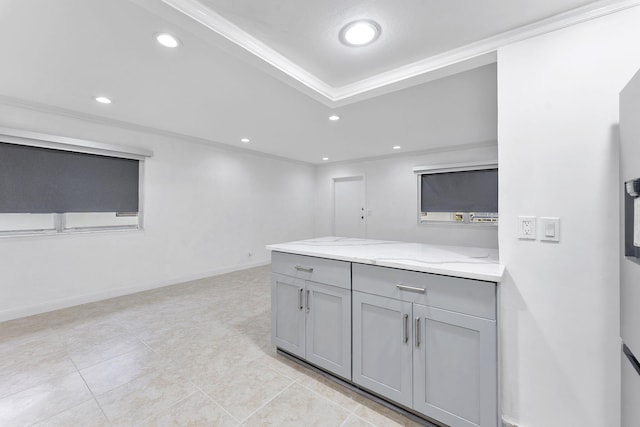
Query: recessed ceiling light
(325, 158)
(360, 33)
(396, 147)
(167, 40)
(334, 118)
(102, 100)
(245, 140)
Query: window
(463, 194)
(83, 220)
(21, 223)
(57, 185)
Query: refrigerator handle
(634, 362)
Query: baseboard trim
(61, 303)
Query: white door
(348, 207)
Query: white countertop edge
(493, 276)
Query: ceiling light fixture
(396, 147)
(245, 140)
(360, 33)
(334, 118)
(167, 40)
(102, 100)
(325, 158)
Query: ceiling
(274, 70)
(306, 32)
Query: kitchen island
(412, 323)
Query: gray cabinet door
(454, 362)
(382, 346)
(288, 313)
(328, 338)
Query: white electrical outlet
(527, 227)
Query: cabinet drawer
(467, 296)
(321, 270)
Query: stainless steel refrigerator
(630, 263)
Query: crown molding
(481, 52)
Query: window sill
(483, 225)
(69, 232)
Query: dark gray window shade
(43, 180)
(464, 191)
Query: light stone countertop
(457, 261)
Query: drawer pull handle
(417, 328)
(305, 269)
(300, 303)
(411, 289)
(405, 328)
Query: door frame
(334, 180)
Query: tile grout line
(198, 388)
(245, 419)
(49, 379)
(308, 376)
(347, 419)
(353, 415)
(168, 407)
(90, 391)
(105, 360)
(352, 411)
(216, 402)
(154, 370)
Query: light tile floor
(193, 354)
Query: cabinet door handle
(417, 331)
(300, 303)
(305, 269)
(405, 328)
(308, 303)
(411, 289)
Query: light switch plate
(550, 229)
(527, 227)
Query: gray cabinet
(414, 346)
(328, 328)
(382, 350)
(311, 319)
(287, 314)
(454, 367)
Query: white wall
(205, 209)
(558, 154)
(392, 198)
